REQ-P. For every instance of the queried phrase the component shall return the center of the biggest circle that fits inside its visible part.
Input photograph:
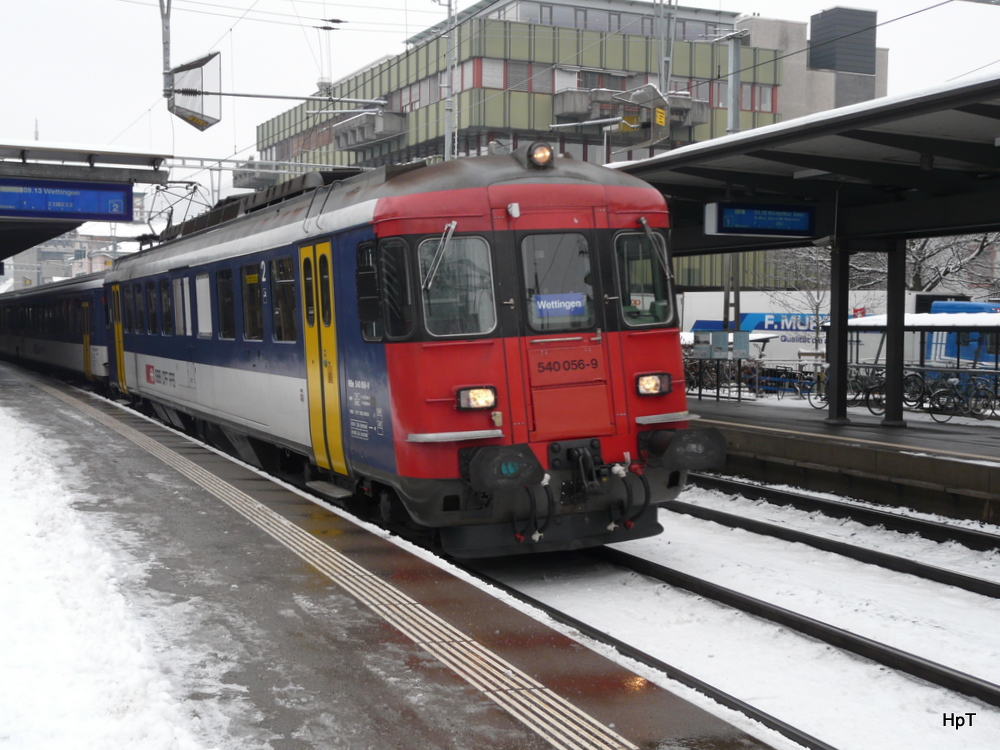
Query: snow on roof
(931, 321)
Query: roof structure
(77, 164)
(918, 165)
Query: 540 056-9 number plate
(578, 364)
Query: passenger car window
(124, 298)
(253, 312)
(308, 292)
(643, 282)
(227, 305)
(151, 303)
(457, 286)
(167, 303)
(203, 299)
(557, 282)
(325, 311)
(283, 300)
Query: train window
(308, 292)
(324, 290)
(283, 300)
(152, 307)
(129, 310)
(227, 305)
(182, 306)
(253, 311)
(203, 301)
(167, 305)
(140, 309)
(643, 282)
(369, 296)
(394, 279)
(458, 286)
(557, 282)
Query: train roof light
(540, 155)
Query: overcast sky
(89, 72)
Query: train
(485, 349)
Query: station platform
(313, 631)
(952, 469)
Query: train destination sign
(760, 220)
(54, 199)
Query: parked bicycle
(968, 399)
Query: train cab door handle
(608, 299)
(510, 303)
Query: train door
(322, 365)
(87, 368)
(119, 339)
(565, 345)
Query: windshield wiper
(659, 245)
(449, 230)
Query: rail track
(937, 531)
(632, 652)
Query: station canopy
(918, 165)
(47, 190)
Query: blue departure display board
(53, 199)
(760, 220)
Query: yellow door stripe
(116, 306)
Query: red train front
(534, 378)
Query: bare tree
(965, 263)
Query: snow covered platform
(952, 469)
(162, 596)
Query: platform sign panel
(720, 344)
(54, 199)
(702, 348)
(760, 220)
(741, 344)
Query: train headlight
(540, 155)
(653, 384)
(482, 397)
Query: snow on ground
(837, 697)
(75, 668)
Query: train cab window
(152, 306)
(253, 310)
(127, 323)
(457, 286)
(557, 282)
(227, 305)
(370, 308)
(643, 282)
(283, 300)
(394, 282)
(167, 306)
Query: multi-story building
(585, 75)
(528, 69)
